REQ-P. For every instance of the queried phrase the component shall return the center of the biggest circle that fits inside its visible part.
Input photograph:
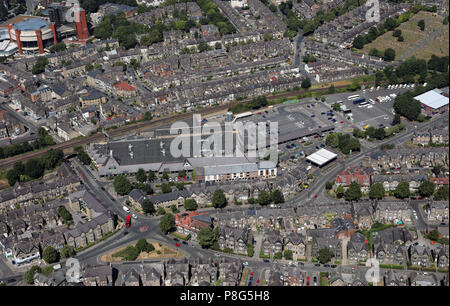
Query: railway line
(137, 127)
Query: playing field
(421, 44)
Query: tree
(182, 173)
(58, 47)
(377, 191)
(358, 42)
(160, 211)
(396, 119)
(306, 83)
(151, 176)
(12, 176)
(402, 190)
(140, 175)
(427, 188)
(143, 246)
(389, 54)
(380, 133)
(264, 198)
(167, 223)
(288, 255)
(34, 169)
(148, 207)
(434, 235)
(438, 168)
(165, 188)
(147, 188)
(218, 199)
(84, 157)
(277, 197)
(64, 213)
(353, 192)
(165, 176)
(50, 255)
(397, 33)
(206, 237)
(332, 140)
(329, 185)
(190, 204)
(421, 24)
(340, 191)
(39, 66)
(405, 105)
(122, 185)
(400, 38)
(336, 106)
(29, 275)
(441, 194)
(174, 208)
(67, 251)
(325, 255)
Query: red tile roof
(124, 87)
(187, 221)
(439, 180)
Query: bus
(128, 221)
(359, 100)
(350, 98)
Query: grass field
(422, 43)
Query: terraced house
(390, 212)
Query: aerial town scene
(245, 143)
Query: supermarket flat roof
(432, 99)
(321, 157)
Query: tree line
(34, 168)
(43, 141)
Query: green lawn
(414, 36)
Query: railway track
(136, 127)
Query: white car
(134, 216)
(245, 263)
(378, 87)
(126, 209)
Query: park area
(421, 44)
(138, 251)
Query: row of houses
(184, 272)
(54, 185)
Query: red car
(177, 244)
(315, 196)
(307, 281)
(342, 121)
(257, 281)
